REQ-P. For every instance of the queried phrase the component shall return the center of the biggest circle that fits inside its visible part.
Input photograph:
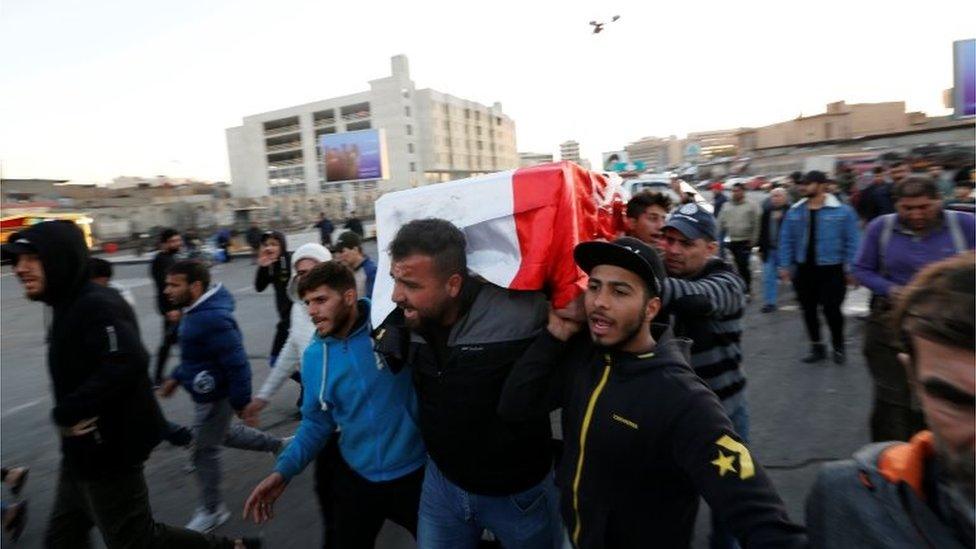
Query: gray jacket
(740, 221)
(854, 505)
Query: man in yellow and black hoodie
(644, 435)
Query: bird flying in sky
(598, 25)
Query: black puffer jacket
(96, 359)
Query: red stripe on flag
(557, 206)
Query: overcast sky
(90, 90)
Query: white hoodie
(302, 329)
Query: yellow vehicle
(13, 223)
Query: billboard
(354, 156)
(615, 161)
(964, 81)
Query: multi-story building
(527, 159)
(714, 143)
(839, 122)
(657, 153)
(429, 136)
(569, 150)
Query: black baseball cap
(16, 245)
(627, 253)
(693, 222)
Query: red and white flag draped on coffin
(521, 226)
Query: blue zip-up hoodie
(213, 362)
(838, 234)
(347, 385)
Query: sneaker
(818, 352)
(205, 522)
(839, 357)
(768, 308)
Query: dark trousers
(822, 287)
(170, 331)
(894, 416)
(119, 507)
(361, 506)
(325, 466)
(741, 251)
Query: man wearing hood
(644, 435)
(274, 269)
(348, 386)
(289, 363)
(215, 371)
(104, 409)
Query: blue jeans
(452, 518)
(722, 537)
(770, 277)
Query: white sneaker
(205, 522)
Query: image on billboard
(354, 156)
(615, 161)
(964, 86)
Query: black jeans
(119, 507)
(170, 338)
(741, 251)
(822, 286)
(361, 506)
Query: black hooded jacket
(277, 274)
(644, 436)
(96, 359)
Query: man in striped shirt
(704, 298)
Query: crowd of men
(439, 418)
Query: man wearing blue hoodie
(348, 387)
(215, 371)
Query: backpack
(888, 227)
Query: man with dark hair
(878, 199)
(963, 186)
(817, 244)
(646, 213)
(460, 336)
(740, 220)
(170, 243)
(918, 493)
(274, 269)
(104, 409)
(769, 224)
(896, 247)
(215, 371)
(349, 388)
(325, 227)
(655, 435)
(354, 224)
(349, 250)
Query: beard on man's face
(960, 467)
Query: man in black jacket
(274, 268)
(104, 409)
(772, 217)
(460, 336)
(644, 435)
(170, 243)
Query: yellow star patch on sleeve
(747, 468)
(724, 463)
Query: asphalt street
(801, 414)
